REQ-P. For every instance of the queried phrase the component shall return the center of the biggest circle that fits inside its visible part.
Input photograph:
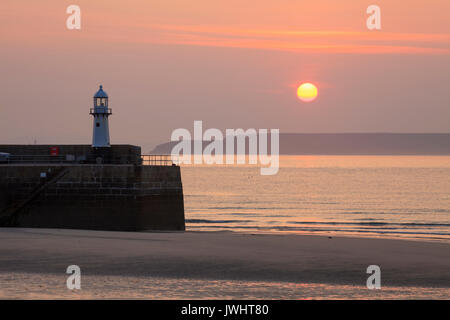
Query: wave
(215, 221)
(409, 224)
(328, 230)
(249, 208)
(345, 223)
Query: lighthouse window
(98, 102)
(97, 124)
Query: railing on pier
(158, 160)
(33, 159)
(147, 160)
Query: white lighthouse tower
(101, 112)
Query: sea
(405, 197)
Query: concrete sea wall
(99, 197)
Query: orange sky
(324, 25)
(210, 59)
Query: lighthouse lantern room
(101, 112)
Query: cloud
(370, 42)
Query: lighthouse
(101, 112)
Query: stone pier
(123, 197)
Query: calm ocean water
(372, 196)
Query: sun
(307, 92)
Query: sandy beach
(38, 258)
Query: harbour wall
(123, 197)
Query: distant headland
(352, 144)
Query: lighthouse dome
(100, 93)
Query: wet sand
(220, 257)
